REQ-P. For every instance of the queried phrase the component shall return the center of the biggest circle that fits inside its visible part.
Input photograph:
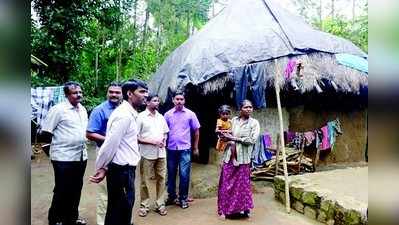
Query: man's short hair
(151, 96)
(114, 84)
(132, 85)
(178, 93)
(70, 84)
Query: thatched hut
(255, 39)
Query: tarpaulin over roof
(246, 31)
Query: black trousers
(120, 185)
(67, 190)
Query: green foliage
(356, 31)
(71, 36)
(59, 41)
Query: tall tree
(62, 24)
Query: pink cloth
(325, 143)
(309, 137)
(289, 69)
(267, 140)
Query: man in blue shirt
(96, 130)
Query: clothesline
(323, 138)
(42, 99)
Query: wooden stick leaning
(280, 116)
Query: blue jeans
(178, 159)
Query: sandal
(162, 210)
(143, 212)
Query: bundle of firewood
(296, 163)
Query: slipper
(80, 221)
(162, 211)
(143, 212)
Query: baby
(223, 126)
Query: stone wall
(316, 204)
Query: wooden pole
(277, 153)
(280, 116)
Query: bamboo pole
(280, 116)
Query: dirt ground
(201, 212)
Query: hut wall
(349, 147)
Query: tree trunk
(120, 62)
(134, 27)
(96, 69)
(147, 15)
(353, 10)
(320, 14)
(158, 45)
(213, 8)
(188, 24)
(117, 69)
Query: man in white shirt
(119, 154)
(66, 125)
(152, 139)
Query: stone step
(330, 203)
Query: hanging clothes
(288, 137)
(289, 69)
(334, 129)
(252, 76)
(260, 154)
(319, 137)
(42, 99)
(309, 137)
(267, 140)
(325, 143)
(297, 141)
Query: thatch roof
(318, 66)
(255, 31)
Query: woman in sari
(234, 194)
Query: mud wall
(349, 147)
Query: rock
(339, 216)
(279, 183)
(310, 198)
(352, 217)
(277, 195)
(282, 197)
(327, 206)
(298, 206)
(296, 193)
(322, 216)
(310, 212)
(330, 222)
